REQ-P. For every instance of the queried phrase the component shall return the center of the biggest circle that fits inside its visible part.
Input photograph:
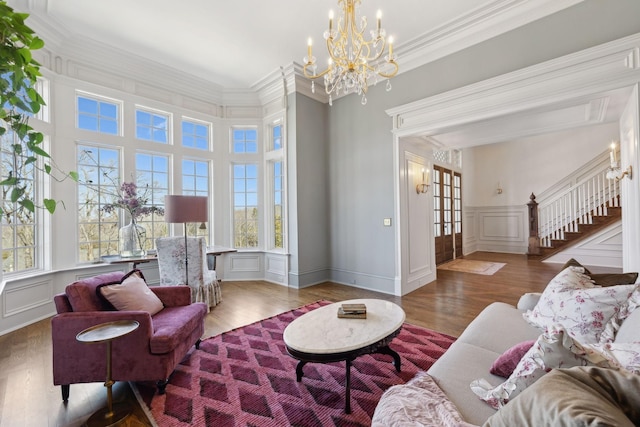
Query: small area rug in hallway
(472, 266)
(245, 377)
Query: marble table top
(321, 331)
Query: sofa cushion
(83, 296)
(132, 294)
(497, 328)
(579, 396)
(454, 371)
(507, 361)
(528, 300)
(571, 300)
(172, 324)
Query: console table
(212, 251)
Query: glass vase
(132, 240)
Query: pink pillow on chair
(507, 361)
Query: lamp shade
(183, 209)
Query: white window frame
(119, 104)
(114, 242)
(271, 157)
(36, 182)
(153, 111)
(155, 224)
(195, 229)
(209, 127)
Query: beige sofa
(496, 329)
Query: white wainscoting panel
(245, 262)
(499, 228)
(469, 232)
(19, 297)
(277, 268)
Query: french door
(447, 214)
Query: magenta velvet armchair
(150, 353)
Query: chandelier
(353, 61)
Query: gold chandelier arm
(313, 76)
(393, 73)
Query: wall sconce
(614, 172)
(499, 189)
(423, 187)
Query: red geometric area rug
(245, 377)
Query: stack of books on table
(352, 311)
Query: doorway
(447, 214)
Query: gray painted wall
(308, 192)
(360, 162)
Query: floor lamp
(185, 209)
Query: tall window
(278, 206)
(98, 115)
(22, 98)
(98, 173)
(18, 224)
(276, 136)
(274, 160)
(245, 205)
(152, 126)
(195, 182)
(152, 176)
(195, 135)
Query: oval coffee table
(320, 336)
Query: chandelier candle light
(353, 61)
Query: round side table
(107, 332)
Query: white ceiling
(590, 110)
(237, 43)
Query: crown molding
(87, 59)
(68, 51)
(478, 25)
(595, 70)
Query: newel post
(534, 239)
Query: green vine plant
(22, 145)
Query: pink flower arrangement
(128, 199)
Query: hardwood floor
(28, 397)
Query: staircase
(588, 203)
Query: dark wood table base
(381, 347)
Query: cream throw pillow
(132, 294)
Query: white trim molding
(562, 81)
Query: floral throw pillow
(630, 333)
(571, 300)
(624, 356)
(553, 349)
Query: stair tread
(584, 230)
